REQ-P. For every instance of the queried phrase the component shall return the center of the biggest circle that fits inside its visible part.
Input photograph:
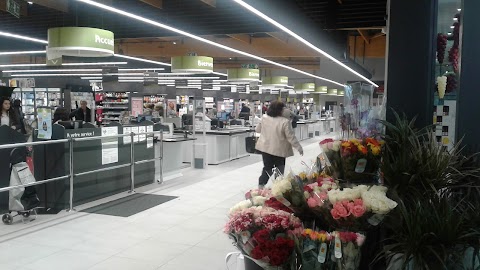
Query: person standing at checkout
(83, 113)
(276, 141)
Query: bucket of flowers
(266, 236)
(361, 160)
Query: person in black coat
(83, 113)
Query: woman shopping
(276, 141)
(7, 114)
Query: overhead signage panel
(80, 42)
(192, 64)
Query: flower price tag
(322, 254)
(338, 248)
(283, 200)
(245, 235)
(376, 219)
(361, 165)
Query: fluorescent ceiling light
(455, 19)
(65, 64)
(140, 69)
(52, 70)
(451, 26)
(183, 33)
(459, 9)
(285, 29)
(5, 34)
(22, 52)
(52, 75)
(142, 60)
(219, 73)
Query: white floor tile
(68, 259)
(181, 236)
(154, 251)
(117, 263)
(202, 258)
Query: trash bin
(200, 158)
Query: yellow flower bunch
(317, 236)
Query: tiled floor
(185, 233)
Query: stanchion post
(132, 164)
(72, 175)
(160, 181)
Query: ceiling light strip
(22, 52)
(64, 64)
(6, 34)
(181, 32)
(142, 60)
(288, 31)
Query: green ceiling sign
(275, 81)
(192, 64)
(80, 41)
(332, 92)
(321, 89)
(244, 74)
(309, 87)
(341, 93)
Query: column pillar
(411, 59)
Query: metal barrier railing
(71, 175)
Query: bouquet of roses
(315, 251)
(253, 201)
(361, 159)
(360, 207)
(331, 150)
(266, 235)
(347, 249)
(316, 195)
(289, 191)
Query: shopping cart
(24, 201)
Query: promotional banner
(44, 115)
(137, 106)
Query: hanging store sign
(300, 87)
(14, 8)
(332, 92)
(321, 89)
(55, 62)
(243, 75)
(150, 78)
(250, 66)
(275, 81)
(80, 41)
(192, 64)
(110, 74)
(341, 93)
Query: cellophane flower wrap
(331, 150)
(315, 251)
(347, 249)
(319, 205)
(288, 190)
(266, 235)
(360, 207)
(361, 160)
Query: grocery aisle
(185, 233)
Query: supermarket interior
(239, 134)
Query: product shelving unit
(31, 98)
(111, 105)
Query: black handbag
(250, 143)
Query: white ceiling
(446, 11)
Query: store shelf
(115, 103)
(113, 108)
(111, 119)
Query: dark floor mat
(130, 205)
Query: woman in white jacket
(276, 140)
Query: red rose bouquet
(347, 249)
(265, 235)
